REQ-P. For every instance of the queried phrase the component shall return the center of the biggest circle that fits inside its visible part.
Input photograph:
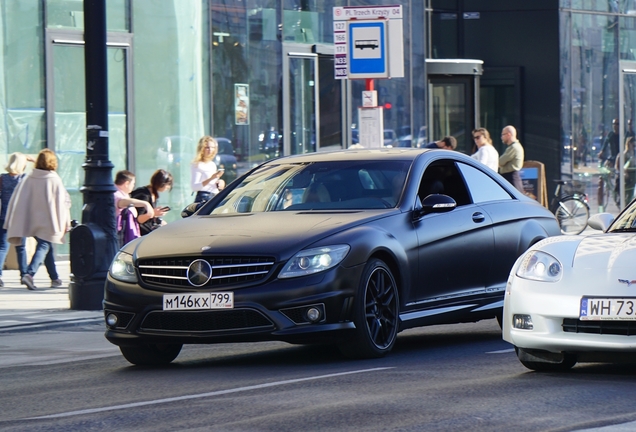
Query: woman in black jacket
(160, 181)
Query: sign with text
(368, 42)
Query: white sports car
(572, 299)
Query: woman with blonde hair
(39, 208)
(205, 178)
(8, 182)
(486, 152)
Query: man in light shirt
(511, 162)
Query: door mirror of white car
(600, 221)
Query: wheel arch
(532, 232)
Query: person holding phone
(205, 178)
(161, 181)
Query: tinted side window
(482, 187)
(442, 177)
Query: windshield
(346, 185)
(626, 221)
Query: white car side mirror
(600, 221)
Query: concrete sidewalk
(46, 307)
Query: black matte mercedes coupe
(346, 248)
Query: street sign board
(354, 57)
(367, 49)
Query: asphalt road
(442, 378)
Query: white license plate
(602, 309)
(195, 301)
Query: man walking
(511, 162)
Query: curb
(48, 325)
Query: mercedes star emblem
(199, 273)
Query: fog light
(111, 320)
(523, 322)
(313, 314)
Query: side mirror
(600, 221)
(436, 203)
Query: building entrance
(313, 117)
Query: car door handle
(478, 217)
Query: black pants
(515, 179)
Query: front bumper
(554, 310)
(272, 310)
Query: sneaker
(27, 280)
(1, 283)
(56, 283)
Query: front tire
(151, 354)
(376, 313)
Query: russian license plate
(194, 301)
(601, 309)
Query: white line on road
(203, 395)
(501, 351)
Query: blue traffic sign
(367, 50)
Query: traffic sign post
(368, 44)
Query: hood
(606, 251)
(278, 234)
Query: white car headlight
(122, 268)
(540, 266)
(314, 260)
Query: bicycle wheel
(572, 215)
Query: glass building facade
(597, 42)
(260, 73)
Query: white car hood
(606, 251)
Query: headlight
(540, 266)
(122, 268)
(314, 260)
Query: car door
(508, 218)
(455, 248)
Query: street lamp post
(94, 241)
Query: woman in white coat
(39, 208)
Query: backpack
(127, 227)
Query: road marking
(203, 395)
(501, 351)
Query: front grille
(205, 321)
(624, 328)
(172, 272)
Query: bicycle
(571, 209)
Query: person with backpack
(126, 214)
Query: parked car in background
(288, 253)
(573, 298)
(405, 141)
(390, 138)
(269, 143)
(421, 137)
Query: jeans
(43, 254)
(19, 250)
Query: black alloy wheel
(376, 313)
(151, 354)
